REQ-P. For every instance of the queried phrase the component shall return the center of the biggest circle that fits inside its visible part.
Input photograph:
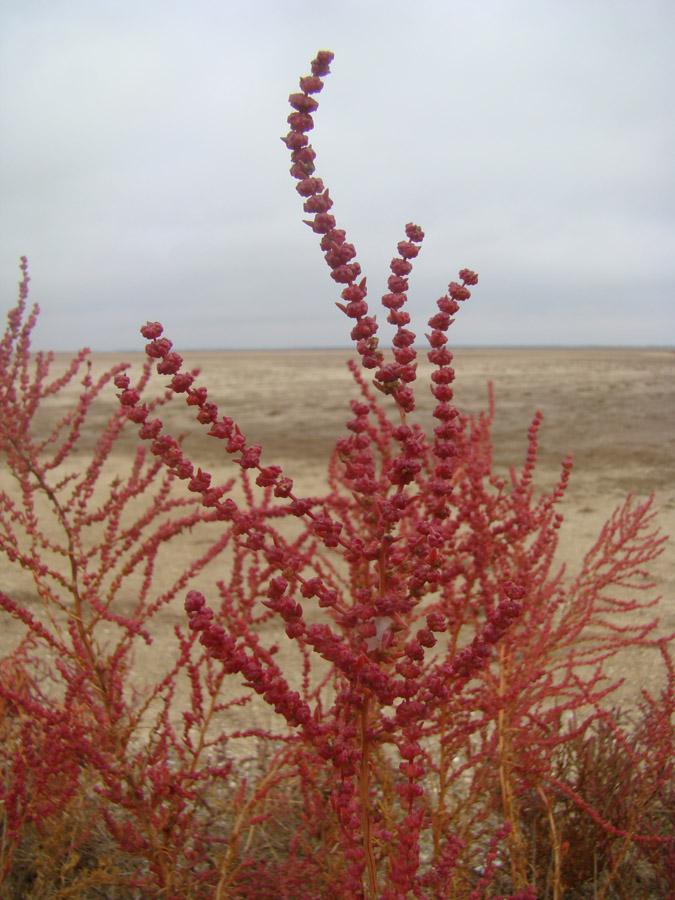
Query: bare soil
(614, 410)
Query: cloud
(144, 177)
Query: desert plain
(612, 409)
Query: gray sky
(143, 176)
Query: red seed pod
(303, 103)
(158, 348)
(398, 317)
(301, 506)
(437, 338)
(295, 628)
(194, 601)
(309, 186)
(400, 267)
(268, 476)
(403, 338)
(354, 292)
(294, 140)
(305, 155)
(346, 274)
(407, 249)
(408, 669)
(340, 254)
(197, 397)
(390, 372)
(404, 355)
(402, 432)
(396, 284)
(121, 381)
(321, 64)
(212, 496)
(184, 469)
(236, 443)
(442, 392)
(318, 203)
(336, 236)
(200, 482)
(150, 429)
(208, 412)
(443, 376)
(129, 397)
(284, 487)
(444, 411)
(405, 398)
(447, 305)
(491, 634)
(412, 770)
(151, 330)
(227, 511)
(301, 122)
(356, 309)
(181, 382)
(170, 364)
(311, 84)
(414, 650)
(468, 277)
(440, 357)
(425, 637)
(514, 591)
(402, 470)
(414, 233)
(458, 291)
(445, 450)
(322, 224)
(301, 170)
(436, 621)
(138, 414)
(445, 469)
(393, 301)
(440, 321)
(166, 446)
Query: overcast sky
(143, 175)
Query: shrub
(444, 723)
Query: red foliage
(450, 681)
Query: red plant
(446, 671)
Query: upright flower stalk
(412, 573)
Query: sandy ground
(614, 410)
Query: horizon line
(346, 347)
